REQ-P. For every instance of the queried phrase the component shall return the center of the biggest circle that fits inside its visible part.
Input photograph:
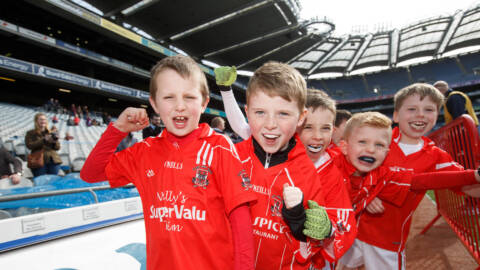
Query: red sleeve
(233, 180)
(94, 168)
(242, 232)
(444, 179)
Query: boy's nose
(271, 123)
(180, 105)
(370, 148)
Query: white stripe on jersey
(200, 152)
(210, 158)
(210, 132)
(283, 254)
(289, 178)
(204, 158)
(400, 184)
(444, 165)
(258, 251)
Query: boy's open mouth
(418, 125)
(270, 138)
(370, 160)
(315, 148)
(180, 121)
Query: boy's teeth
(268, 136)
(314, 149)
(418, 124)
(179, 118)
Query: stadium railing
(461, 140)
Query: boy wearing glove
(276, 160)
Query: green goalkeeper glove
(317, 225)
(225, 76)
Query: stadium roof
(247, 33)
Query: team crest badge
(246, 183)
(201, 176)
(276, 206)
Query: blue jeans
(49, 168)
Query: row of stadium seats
(387, 82)
(16, 120)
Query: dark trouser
(49, 168)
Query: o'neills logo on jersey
(178, 212)
(201, 176)
(260, 189)
(246, 183)
(173, 165)
(268, 224)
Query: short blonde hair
(279, 79)
(185, 67)
(370, 119)
(421, 89)
(319, 99)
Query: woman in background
(41, 138)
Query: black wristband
(224, 88)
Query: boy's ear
(302, 117)
(152, 102)
(395, 116)
(204, 106)
(343, 146)
(246, 110)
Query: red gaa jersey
(390, 229)
(388, 184)
(337, 204)
(275, 247)
(187, 194)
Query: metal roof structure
(247, 33)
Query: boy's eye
(259, 112)
(191, 97)
(362, 142)
(284, 114)
(327, 128)
(379, 146)
(307, 127)
(411, 109)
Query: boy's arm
(225, 77)
(234, 114)
(444, 179)
(242, 232)
(131, 119)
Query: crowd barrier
(461, 140)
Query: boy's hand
(225, 76)
(317, 225)
(292, 196)
(132, 119)
(375, 206)
(472, 190)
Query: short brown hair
(421, 89)
(185, 67)
(319, 99)
(340, 116)
(370, 119)
(279, 79)
(216, 121)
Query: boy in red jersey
(385, 226)
(316, 135)
(190, 179)
(274, 157)
(367, 138)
